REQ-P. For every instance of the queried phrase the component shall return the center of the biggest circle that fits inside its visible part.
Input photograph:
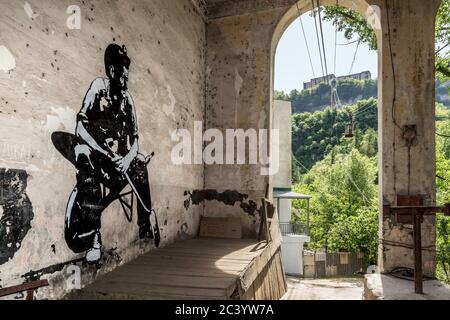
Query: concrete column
(407, 167)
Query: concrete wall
(238, 57)
(46, 70)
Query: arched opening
(368, 209)
(443, 140)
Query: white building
(365, 75)
(294, 235)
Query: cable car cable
(317, 36)
(323, 41)
(306, 41)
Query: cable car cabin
(349, 128)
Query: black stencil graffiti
(16, 212)
(105, 152)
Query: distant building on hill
(365, 75)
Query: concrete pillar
(407, 168)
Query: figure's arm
(84, 134)
(133, 139)
(82, 129)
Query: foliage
(343, 210)
(352, 23)
(343, 183)
(443, 191)
(442, 91)
(314, 135)
(319, 97)
(443, 248)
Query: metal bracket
(416, 213)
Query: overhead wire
(394, 78)
(323, 41)
(306, 41)
(334, 96)
(354, 56)
(348, 43)
(364, 196)
(318, 40)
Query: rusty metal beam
(27, 286)
(417, 213)
(417, 233)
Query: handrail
(294, 228)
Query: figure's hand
(122, 164)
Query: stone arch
(361, 6)
(405, 62)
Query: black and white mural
(105, 153)
(16, 212)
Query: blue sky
(292, 65)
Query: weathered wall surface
(407, 52)
(238, 96)
(45, 70)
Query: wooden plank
(171, 281)
(229, 267)
(175, 270)
(141, 291)
(255, 268)
(198, 269)
(217, 242)
(212, 251)
(147, 296)
(221, 227)
(221, 263)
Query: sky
(292, 66)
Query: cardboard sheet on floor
(230, 228)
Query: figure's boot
(155, 228)
(94, 254)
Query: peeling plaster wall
(238, 56)
(48, 70)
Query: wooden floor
(201, 268)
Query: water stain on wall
(228, 197)
(16, 212)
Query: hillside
(314, 135)
(350, 91)
(319, 97)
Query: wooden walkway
(202, 268)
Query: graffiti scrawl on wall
(105, 152)
(16, 212)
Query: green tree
(319, 97)
(343, 209)
(280, 95)
(314, 135)
(443, 191)
(352, 23)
